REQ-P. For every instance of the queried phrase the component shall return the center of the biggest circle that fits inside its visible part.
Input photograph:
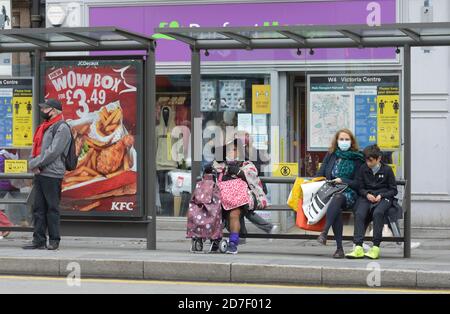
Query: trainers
(232, 249)
(274, 230)
(357, 253)
(374, 253)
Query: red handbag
(234, 193)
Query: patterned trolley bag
(205, 211)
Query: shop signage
(100, 101)
(261, 100)
(144, 19)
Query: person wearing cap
(50, 146)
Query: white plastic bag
(309, 190)
(179, 182)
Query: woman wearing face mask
(340, 165)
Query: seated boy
(377, 189)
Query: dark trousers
(366, 210)
(46, 213)
(334, 218)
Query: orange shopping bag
(302, 221)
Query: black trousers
(364, 211)
(46, 211)
(334, 218)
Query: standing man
(50, 148)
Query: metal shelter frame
(41, 40)
(404, 35)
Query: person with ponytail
(341, 164)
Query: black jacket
(383, 183)
(326, 170)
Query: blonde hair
(334, 143)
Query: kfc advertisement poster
(100, 102)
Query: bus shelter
(96, 41)
(397, 36)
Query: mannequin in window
(164, 145)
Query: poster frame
(33, 95)
(395, 73)
(140, 212)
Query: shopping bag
(302, 221)
(316, 208)
(233, 193)
(297, 193)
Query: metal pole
(36, 87)
(150, 146)
(36, 18)
(407, 147)
(195, 113)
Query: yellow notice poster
(388, 103)
(285, 170)
(16, 166)
(22, 117)
(261, 99)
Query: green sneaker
(357, 253)
(374, 253)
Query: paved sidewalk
(259, 261)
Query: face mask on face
(344, 145)
(376, 168)
(45, 116)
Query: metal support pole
(150, 146)
(36, 18)
(195, 114)
(36, 87)
(407, 147)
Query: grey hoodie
(51, 161)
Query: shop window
(173, 160)
(229, 109)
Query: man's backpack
(71, 160)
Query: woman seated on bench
(340, 165)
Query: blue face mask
(344, 145)
(376, 168)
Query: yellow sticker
(285, 170)
(261, 100)
(22, 118)
(388, 119)
(16, 166)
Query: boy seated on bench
(377, 190)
